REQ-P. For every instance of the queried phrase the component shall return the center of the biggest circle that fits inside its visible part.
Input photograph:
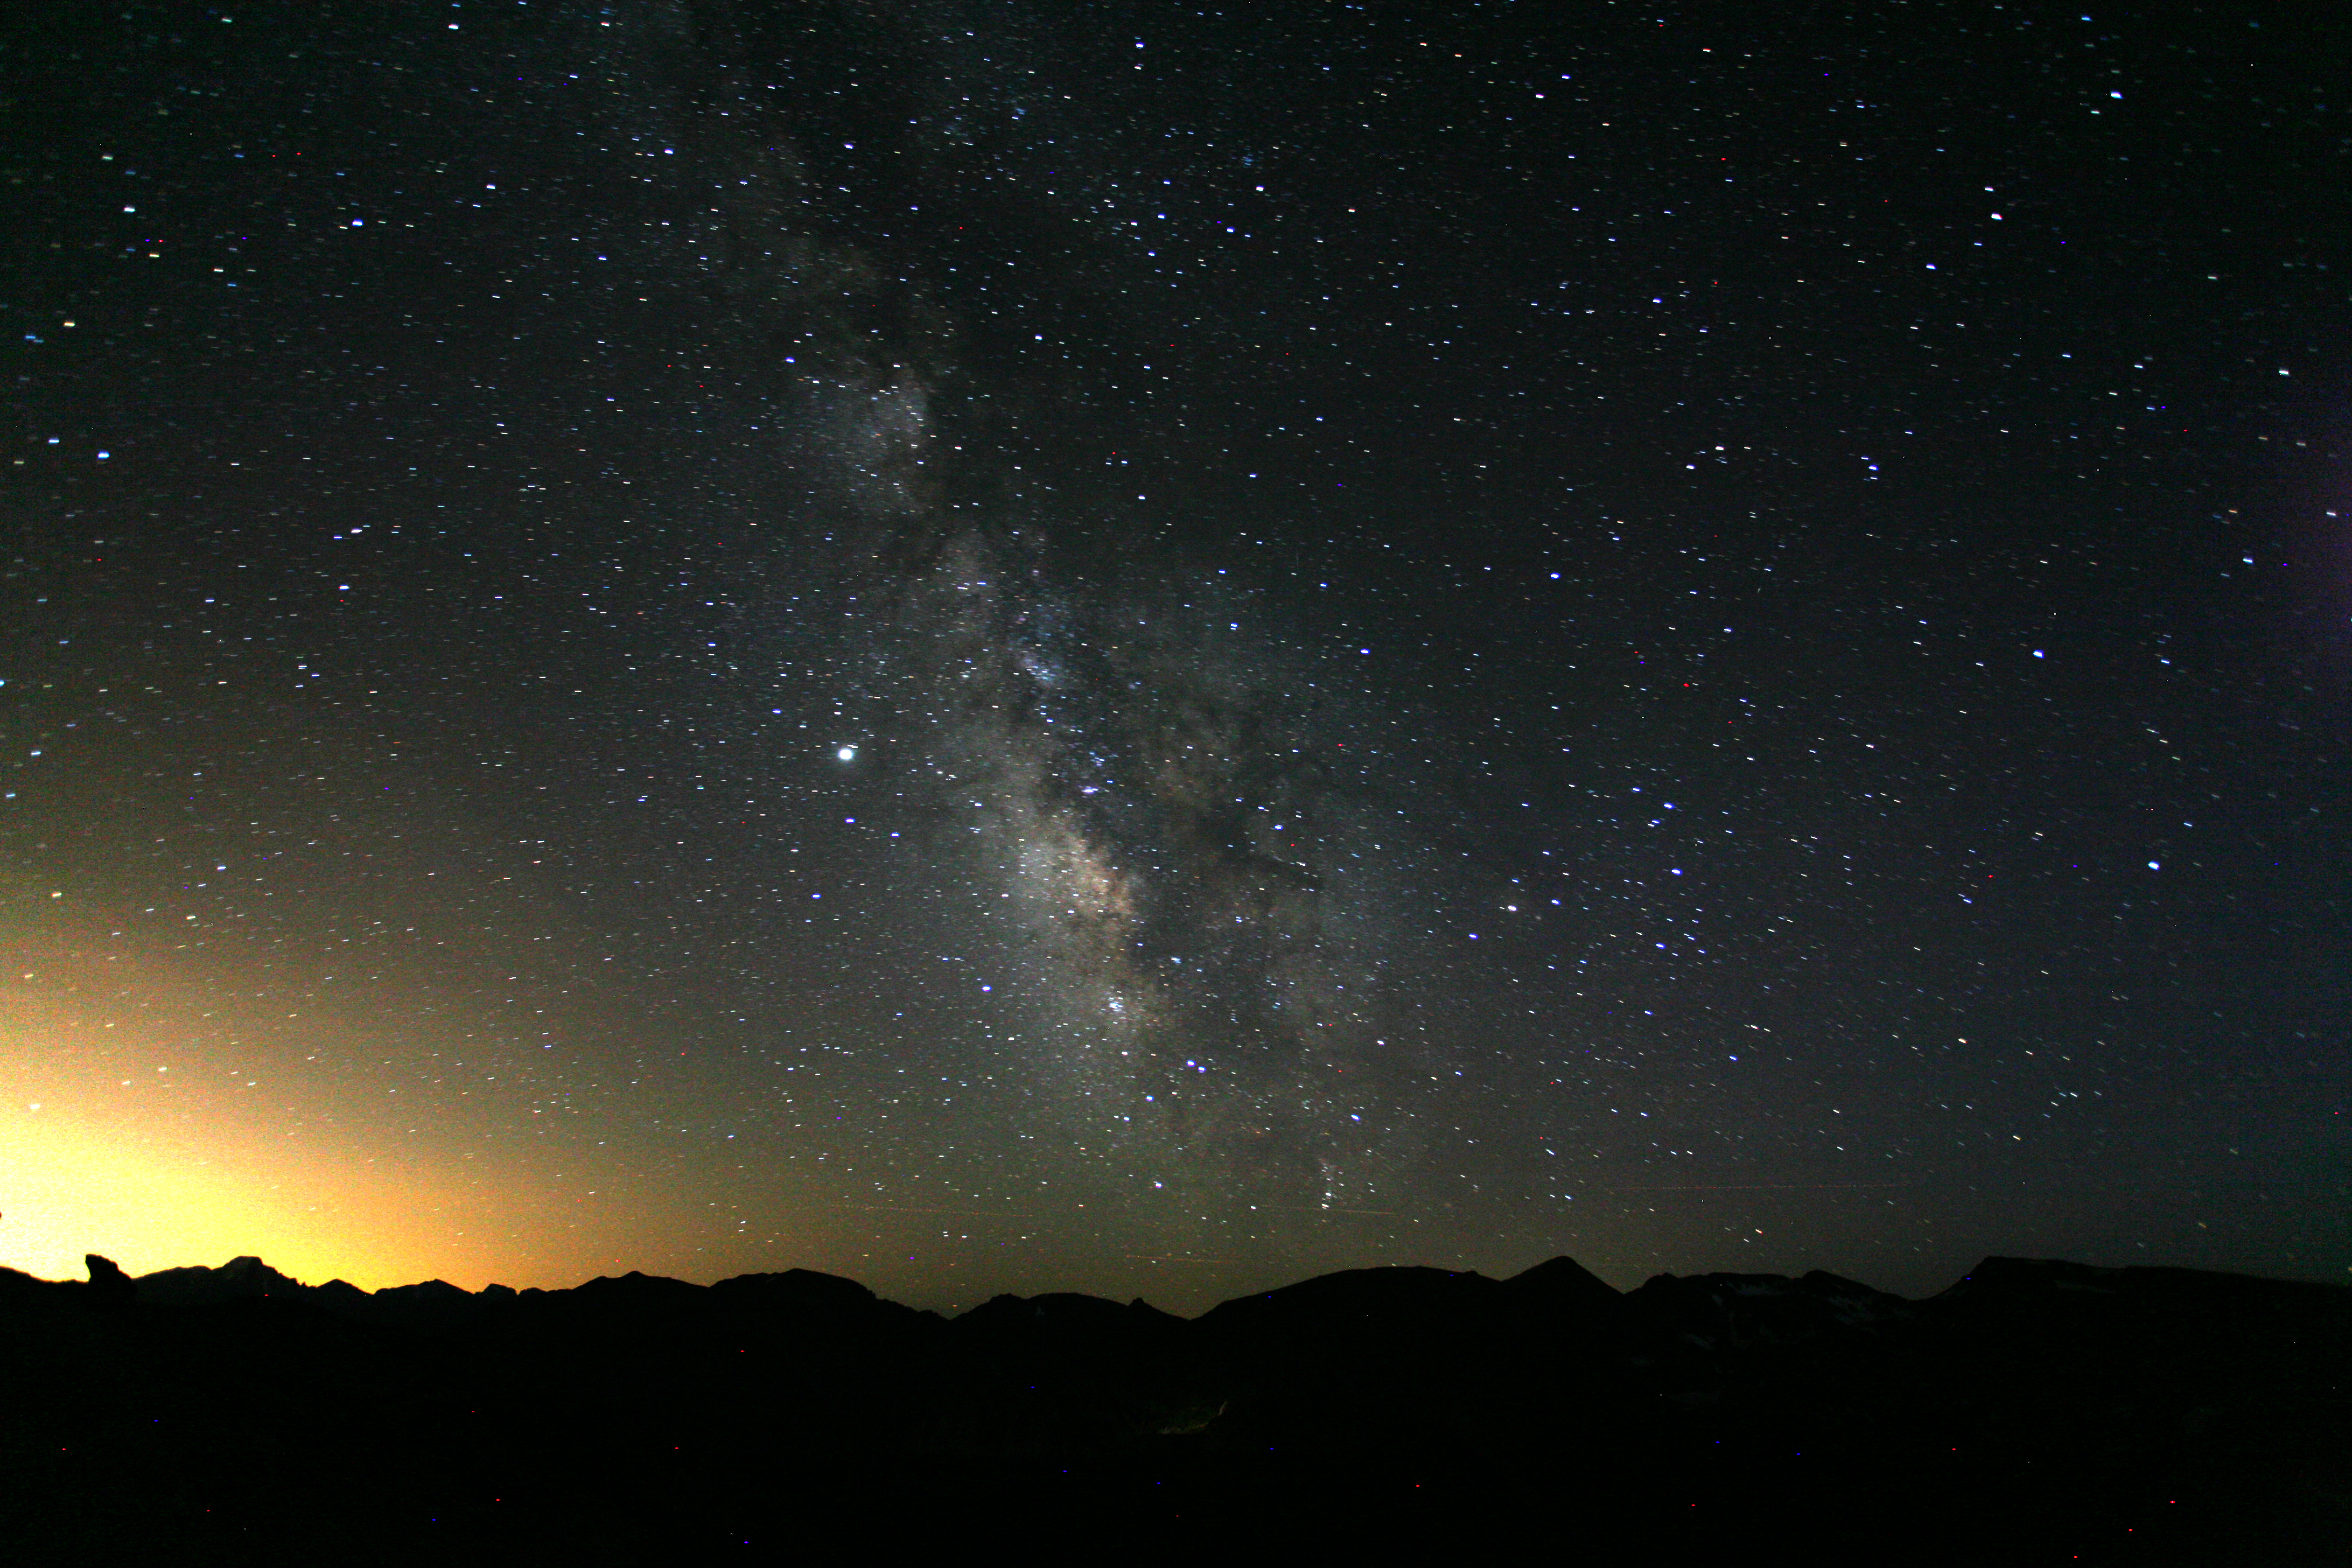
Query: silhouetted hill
(238, 1280)
(1563, 1285)
(2035, 1411)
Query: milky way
(1197, 877)
(1195, 873)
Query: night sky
(1025, 646)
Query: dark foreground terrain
(2035, 1412)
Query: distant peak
(1562, 1274)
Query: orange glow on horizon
(129, 1129)
(79, 1183)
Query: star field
(992, 649)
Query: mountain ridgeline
(2042, 1411)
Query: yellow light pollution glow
(81, 1180)
(165, 1122)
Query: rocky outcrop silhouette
(2069, 1413)
(111, 1289)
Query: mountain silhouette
(2034, 1411)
